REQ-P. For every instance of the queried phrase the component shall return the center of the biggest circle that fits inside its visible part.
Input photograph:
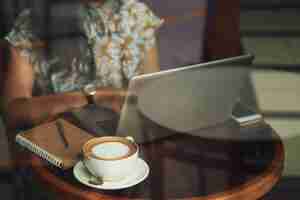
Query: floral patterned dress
(117, 36)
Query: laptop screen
(183, 99)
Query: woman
(118, 43)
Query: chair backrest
(197, 30)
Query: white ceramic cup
(111, 158)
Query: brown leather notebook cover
(58, 142)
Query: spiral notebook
(59, 142)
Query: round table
(184, 166)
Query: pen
(60, 129)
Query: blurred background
(269, 29)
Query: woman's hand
(111, 97)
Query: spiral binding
(39, 151)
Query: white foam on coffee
(110, 150)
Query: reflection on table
(184, 166)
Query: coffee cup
(110, 158)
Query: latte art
(111, 150)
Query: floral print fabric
(118, 34)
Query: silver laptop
(183, 99)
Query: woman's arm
(151, 63)
(22, 109)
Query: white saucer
(141, 173)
